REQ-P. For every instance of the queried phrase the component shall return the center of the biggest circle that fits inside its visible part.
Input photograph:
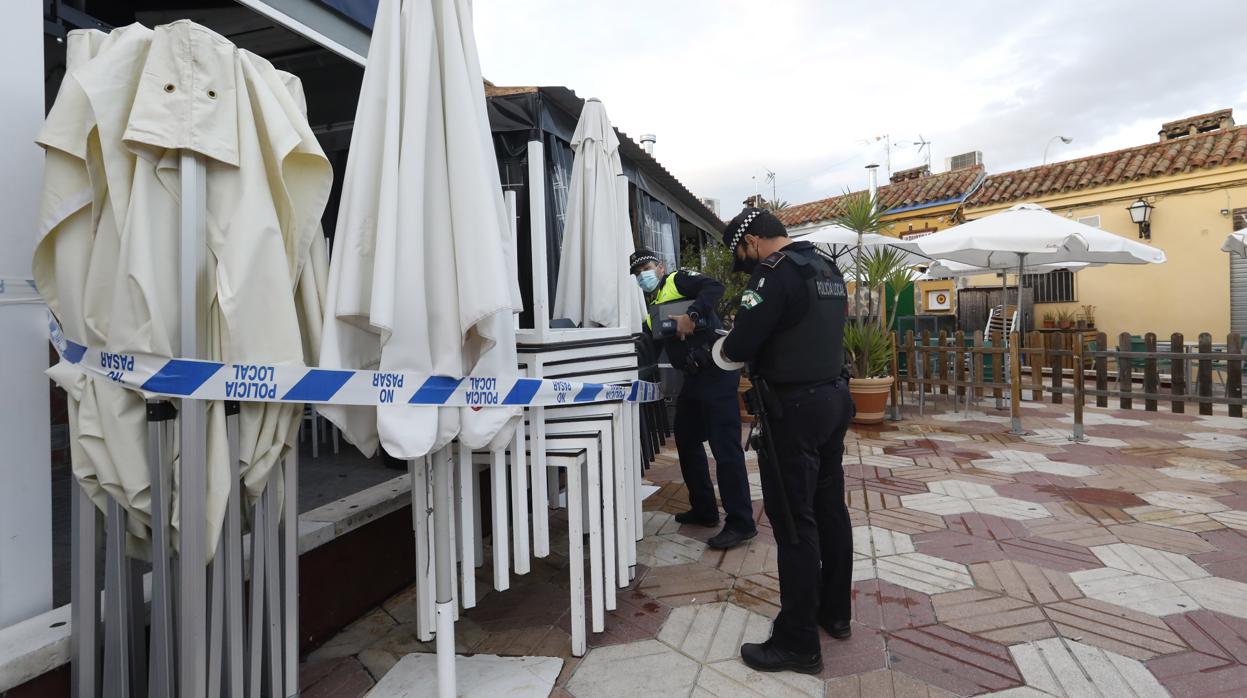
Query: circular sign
(941, 299)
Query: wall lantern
(1141, 214)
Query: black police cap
(640, 258)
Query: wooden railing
(971, 367)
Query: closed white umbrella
(1235, 243)
(594, 287)
(419, 279)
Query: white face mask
(647, 280)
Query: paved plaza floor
(987, 563)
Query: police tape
(210, 380)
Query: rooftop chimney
(912, 173)
(647, 143)
(1192, 125)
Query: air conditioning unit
(960, 162)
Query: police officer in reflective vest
(683, 320)
(790, 329)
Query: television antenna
(924, 149)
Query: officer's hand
(684, 326)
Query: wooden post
(1101, 369)
(959, 364)
(1234, 373)
(1036, 344)
(1205, 374)
(976, 359)
(1177, 373)
(998, 367)
(894, 392)
(1015, 362)
(941, 361)
(910, 360)
(1079, 396)
(1057, 364)
(924, 364)
(1125, 374)
(1151, 380)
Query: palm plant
(860, 213)
(867, 349)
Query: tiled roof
(1171, 157)
(904, 194)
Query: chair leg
(576, 555)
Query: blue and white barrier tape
(210, 380)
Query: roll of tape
(722, 361)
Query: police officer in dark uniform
(790, 328)
(706, 409)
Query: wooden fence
(1137, 372)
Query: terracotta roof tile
(903, 194)
(1202, 151)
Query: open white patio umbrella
(419, 279)
(1235, 243)
(839, 241)
(1029, 236)
(594, 287)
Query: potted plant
(1088, 314)
(1064, 319)
(868, 340)
(1049, 321)
(868, 351)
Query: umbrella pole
(1016, 356)
(444, 569)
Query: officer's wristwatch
(694, 316)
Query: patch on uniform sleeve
(773, 260)
(750, 299)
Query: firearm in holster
(762, 403)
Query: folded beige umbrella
(106, 262)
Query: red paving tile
(953, 660)
(958, 547)
(864, 652)
(886, 606)
(1052, 554)
(986, 526)
(345, 678)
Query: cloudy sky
(807, 89)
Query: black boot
(767, 657)
(688, 517)
(729, 538)
(838, 629)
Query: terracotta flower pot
(870, 396)
(1049, 324)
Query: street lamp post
(1064, 139)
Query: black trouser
(815, 572)
(715, 419)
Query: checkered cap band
(744, 225)
(642, 261)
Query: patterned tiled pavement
(985, 564)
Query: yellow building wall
(1190, 293)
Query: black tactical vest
(811, 351)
